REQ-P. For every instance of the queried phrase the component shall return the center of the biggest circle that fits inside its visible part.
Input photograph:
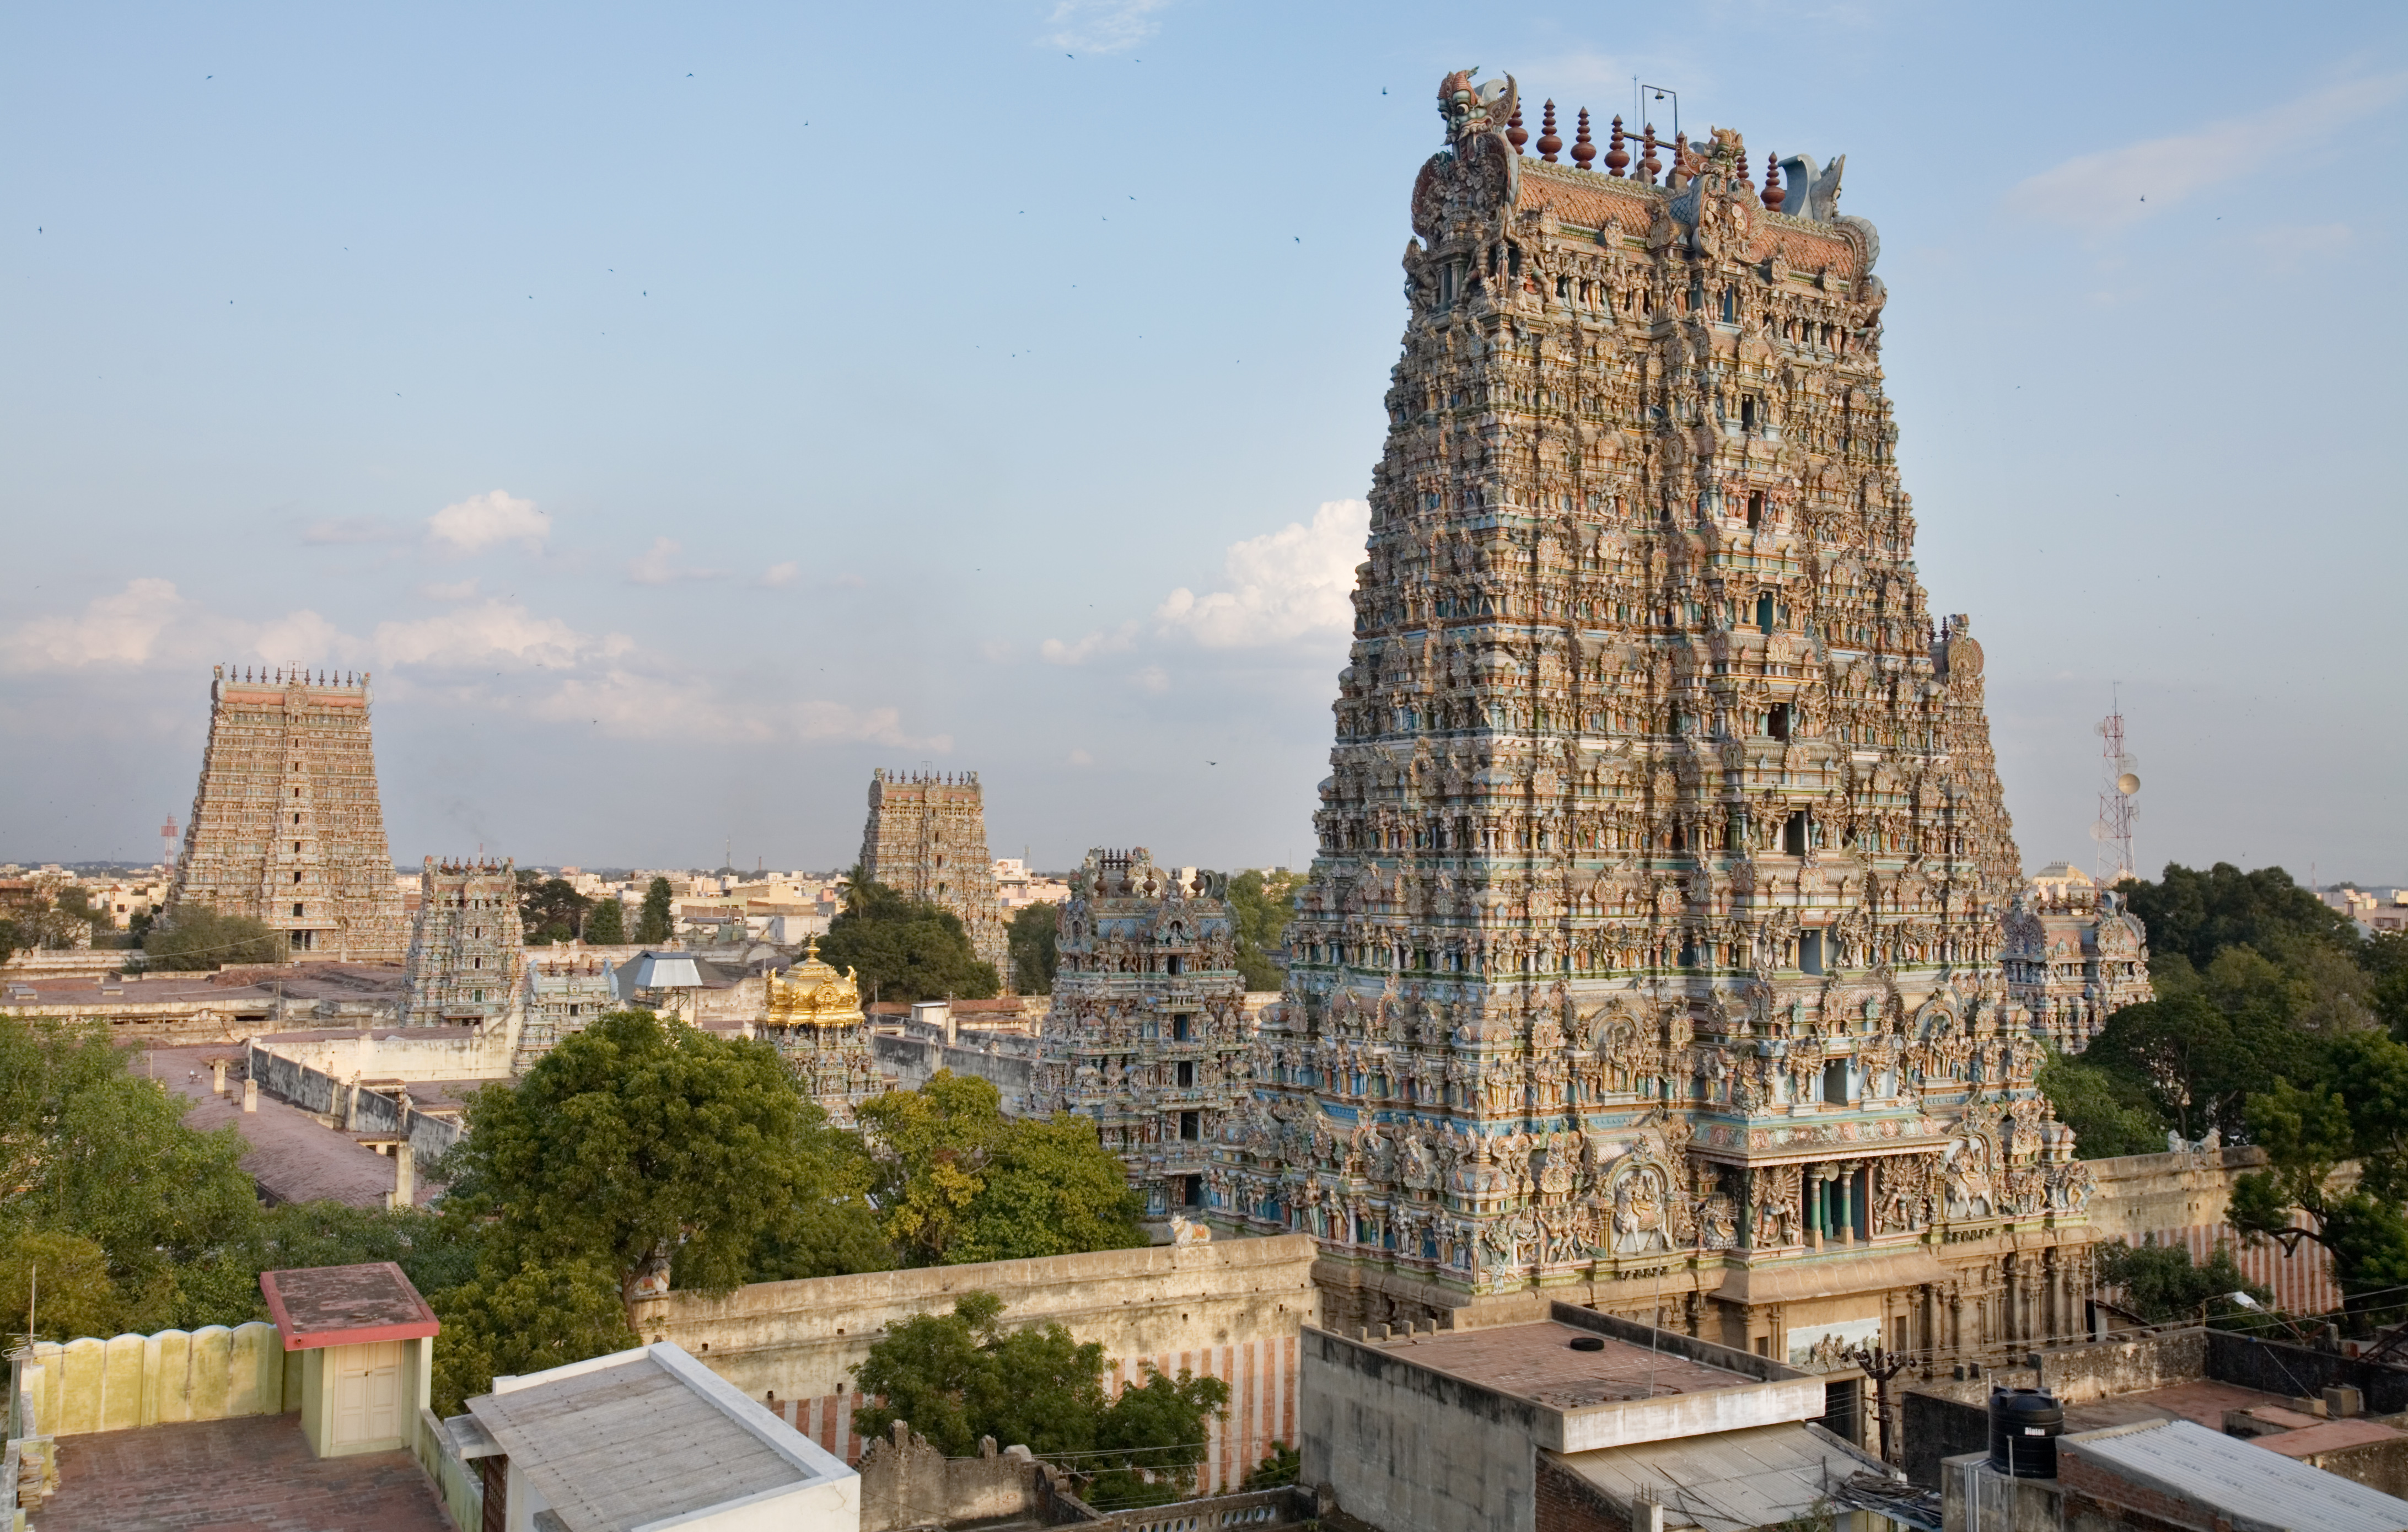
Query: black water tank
(2025, 1424)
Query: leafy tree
(606, 923)
(903, 949)
(653, 923)
(1264, 904)
(195, 936)
(640, 1140)
(2357, 1112)
(15, 938)
(2161, 1282)
(88, 1149)
(2199, 915)
(523, 1317)
(2109, 1111)
(2387, 966)
(548, 910)
(961, 1376)
(1035, 933)
(1279, 1467)
(2198, 1061)
(957, 1180)
(59, 1284)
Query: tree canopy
(956, 1181)
(654, 923)
(1036, 953)
(2162, 1283)
(550, 911)
(606, 923)
(961, 1376)
(196, 937)
(1264, 903)
(902, 949)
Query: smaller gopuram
(467, 952)
(2073, 956)
(814, 1017)
(926, 838)
(1147, 1032)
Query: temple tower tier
(926, 838)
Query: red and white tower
(2118, 785)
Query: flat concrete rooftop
(1538, 1362)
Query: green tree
(88, 1149)
(962, 1376)
(2387, 966)
(59, 1284)
(2198, 914)
(548, 910)
(2109, 1111)
(1264, 903)
(1279, 1467)
(2162, 1283)
(517, 1317)
(2198, 1061)
(606, 923)
(903, 949)
(2357, 1111)
(196, 937)
(653, 923)
(1036, 953)
(957, 1180)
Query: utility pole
(1881, 1367)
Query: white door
(368, 1392)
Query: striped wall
(1261, 1375)
(2302, 1282)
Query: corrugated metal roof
(1759, 1477)
(2257, 1490)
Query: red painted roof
(346, 1305)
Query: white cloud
(2117, 187)
(1283, 584)
(657, 566)
(120, 629)
(481, 521)
(1081, 651)
(459, 590)
(491, 631)
(779, 575)
(302, 639)
(1080, 757)
(1153, 678)
(1104, 26)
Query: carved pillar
(1846, 1183)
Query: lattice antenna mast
(2119, 783)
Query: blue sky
(683, 410)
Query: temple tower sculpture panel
(926, 840)
(1650, 954)
(1147, 1032)
(468, 950)
(812, 1014)
(287, 826)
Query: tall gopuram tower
(926, 839)
(286, 825)
(467, 965)
(1650, 955)
(1147, 1029)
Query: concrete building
(1147, 1030)
(367, 1344)
(1656, 920)
(287, 826)
(467, 965)
(1576, 1423)
(926, 838)
(645, 1438)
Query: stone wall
(1940, 1419)
(1230, 1309)
(1009, 1062)
(350, 1106)
(2181, 1198)
(128, 1380)
(907, 1482)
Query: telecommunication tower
(2118, 783)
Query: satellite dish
(2128, 783)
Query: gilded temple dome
(814, 994)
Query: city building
(467, 964)
(1146, 1032)
(1651, 957)
(814, 1015)
(286, 824)
(1016, 887)
(926, 839)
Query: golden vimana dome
(814, 994)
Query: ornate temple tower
(926, 840)
(1650, 955)
(468, 948)
(286, 824)
(814, 1015)
(1147, 1030)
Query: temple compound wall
(467, 965)
(1652, 954)
(287, 826)
(1147, 1031)
(926, 840)
(1230, 1309)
